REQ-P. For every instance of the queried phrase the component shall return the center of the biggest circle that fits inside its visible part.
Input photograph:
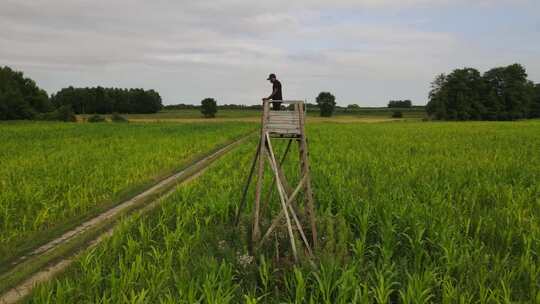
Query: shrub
(209, 107)
(63, 113)
(118, 118)
(327, 103)
(96, 118)
(397, 114)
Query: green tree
(20, 97)
(209, 107)
(108, 100)
(407, 103)
(353, 107)
(437, 98)
(535, 106)
(457, 96)
(509, 93)
(327, 103)
(502, 93)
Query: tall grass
(51, 173)
(407, 213)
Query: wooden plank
(283, 113)
(282, 123)
(293, 117)
(270, 118)
(282, 126)
(284, 132)
(284, 119)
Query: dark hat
(271, 76)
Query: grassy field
(55, 174)
(194, 115)
(407, 213)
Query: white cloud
(224, 48)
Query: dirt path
(162, 189)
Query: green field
(254, 115)
(53, 175)
(408, 212)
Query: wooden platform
(286, 123)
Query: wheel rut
(141, 203)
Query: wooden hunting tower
(283, 125)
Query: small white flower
(245, 260)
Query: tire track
(143, 202)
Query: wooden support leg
(270, 193)
(260, 178)
(278, 218)
(288, 203)
(246, 187)
(304, 163)
(282, 197)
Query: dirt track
(163, 189)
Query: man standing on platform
(276, 92)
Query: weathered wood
(260, 178)
(288, 101)
(282, 125)
(281, 177)
(284, 130)
(305, 171)
(277, 219)
(270, 194)
(282, 118)
(296, 122)
(282, 197)
(288, 124)
(284, 112)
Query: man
(276, 92)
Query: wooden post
(282, 197)
(260, 178)
(305, 171)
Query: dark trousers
(276, 105)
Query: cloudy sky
(364, 51)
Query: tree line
(183, 106)
(99, 100)
(400, 103)
(502, 93)
(21, 98)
